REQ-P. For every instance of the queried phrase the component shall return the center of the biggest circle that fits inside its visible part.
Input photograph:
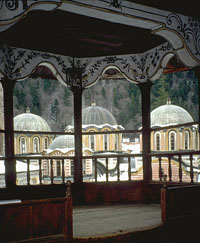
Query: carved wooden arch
(54, 71)
(136, 68)
(12, 11)
(182, 32)
(184, 35)
(18, 64)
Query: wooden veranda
(79, 41)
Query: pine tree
(35, 99)
(160, 93)
(66, 96)
(55, 110)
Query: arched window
(23, 147)
(106, 141)
(48, 168)
(172, 141)
(186, 140)
(84, 167)
(36, 145)
(157, 141)
(196, 139)
(46, 143)
(116, 141)
(72, 167)
(58, 168)
(92, 141)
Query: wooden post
(197, 74)
(164, 204)
(10, 162)
(68, 219)
(145, 89)
(78, 174)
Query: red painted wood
(180, 203)
(35, 219)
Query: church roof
(97, 115)
(169, 114)
(30, 122)
(62, 142)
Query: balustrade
(173, 166)
(181, 166)
(166, 166)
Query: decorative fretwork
(136, 67)
(12, 11)
(17, 63)
(189, 29)
(116, 4)
(12, 5)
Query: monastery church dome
(30, 122)
(97, 115)
(63, 141)
(169, 114)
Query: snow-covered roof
(166, 115)
(20, 167)
(132, 146)
(30, 122)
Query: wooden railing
(52, 178)
(111, 166)
(119, 159)
(43, 177)
(180, 158)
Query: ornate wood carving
(189, 29)
(136, 67)
(17, 63)
(11, 11)
(182, 32)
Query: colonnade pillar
(78, 174)
(145, 89)
(10, 162)
(197, 74)
(74, 82)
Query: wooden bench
(36, 220)
(180, 213)
(180, 202)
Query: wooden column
(197, 74)
(145, 89)
(10, 162)
(78, 174)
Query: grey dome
(97, 115)
(63, 141)
(30, 122)
(169, 114)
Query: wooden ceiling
(188, 8)
(75, 35)
(79, 36)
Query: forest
(54, 102)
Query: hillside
(54, 102)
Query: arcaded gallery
(100, 177)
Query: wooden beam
(197, 74)
(78, 174)
(145, 89)
(10, 162)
